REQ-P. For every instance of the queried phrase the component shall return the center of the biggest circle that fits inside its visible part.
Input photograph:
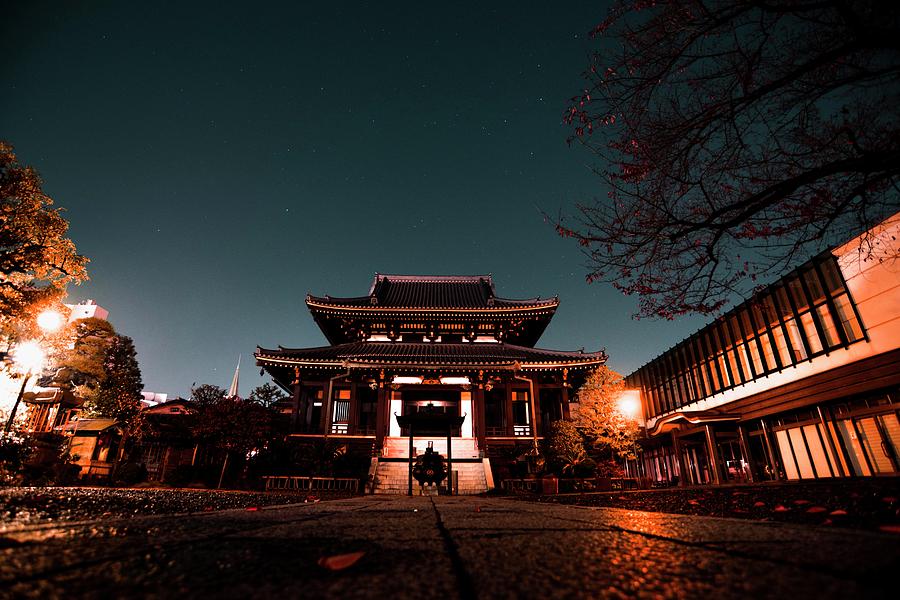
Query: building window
(340, 410)
(521, 413)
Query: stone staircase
(391, 476)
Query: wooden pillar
(449, 460)
(382, 407)
(510, 429)
(409, 475)
(839, 467)
(353, 417)
(770, 449)
(480, 422)
(295, 404)
(713, 451)
(755, 476)
(565, 402)
(679, 456)
(535, 409)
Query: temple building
(802, 381)
(443, 343)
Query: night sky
(218, 161)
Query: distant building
(86, 310)
(802, 381)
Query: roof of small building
(431, 292)
(92, 425)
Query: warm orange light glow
(29, 357)
(629, 406)
(50, 320)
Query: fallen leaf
(890, 528)
(252, 508)
(801, 502)
(838, 513)
(780, 508)
(816, 509)
(758, 504)
(338, 562)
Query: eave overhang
(694, 417)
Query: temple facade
(443, 343)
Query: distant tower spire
(233, 390)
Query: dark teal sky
(218, 161)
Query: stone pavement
(443, 548)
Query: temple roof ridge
(431, 292)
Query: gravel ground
(872, 504)
(28, 505)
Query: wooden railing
(291, 483)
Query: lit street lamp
(29, 358)
(50, 320)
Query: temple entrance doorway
(441, 401)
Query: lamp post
(29, 357)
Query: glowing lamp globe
(29, 357)
(629, 407)
(50, 320)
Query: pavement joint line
(121, 556)
(467, 587)
(712, 547)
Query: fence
(290, 483)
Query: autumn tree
(37, 260)
(267, 395)
(735, 138)
(608, 430)
(119, 394)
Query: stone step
(393, 478)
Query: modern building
(802, 381)
(415, 343)
(87, 310)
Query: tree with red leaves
(736, 138)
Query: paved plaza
(442, 548)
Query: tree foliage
(564, 448)
(599, 417)
(84, 364)
(232, 424)
(206, 395)
(37, 260)
(119, 394)
(736, 138)
(267, 395)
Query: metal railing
(291, 483)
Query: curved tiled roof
(429, 354)
(430, 292)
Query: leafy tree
(564, 448)
(37, 260)
(234, 426)
(611, 433)
(119, 395)
(206, 394)
(736, 137)
(267, 395)
(84, 364)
